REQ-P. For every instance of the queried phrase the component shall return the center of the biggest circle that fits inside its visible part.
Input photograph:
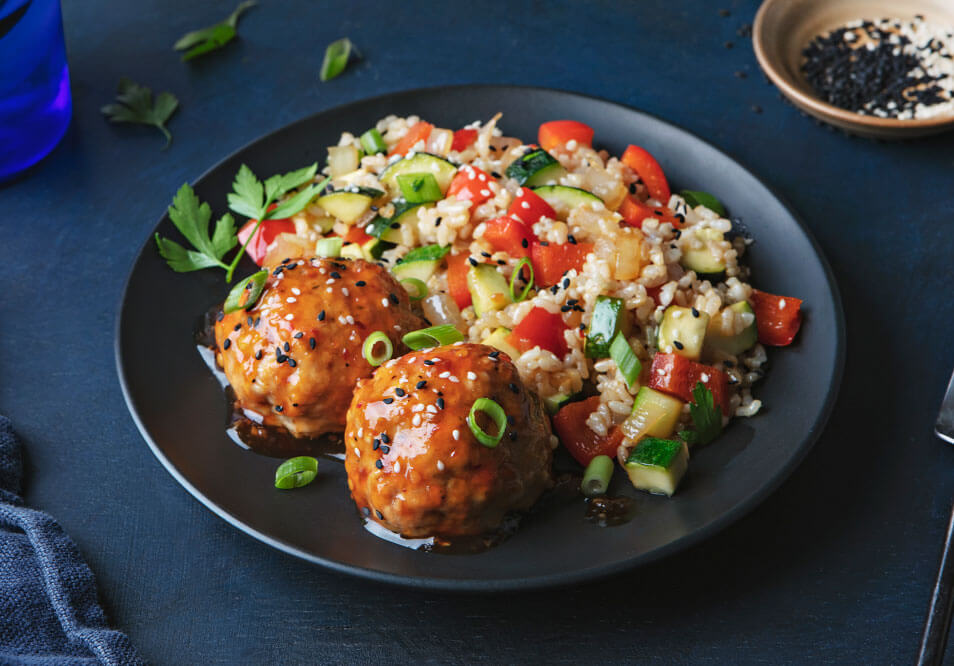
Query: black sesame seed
(495, 174)
(388, 401)
(374, 208)
(336, 275)
(513, 387)
(399, 392)
(485, 254)
(249, 321)
(524, 242)
(438, 221)
(366, 511)
(566, 283)
(695, 313)
(385, 448)
(294, 404)
(510, 420)
(632, 188)
(379, 514)
(566, 308)
(395, 225)
(279, 408)
(237, 327)
(571, 239)
(227, 343)
(494, 354)
(258, 355)
(286, 347)
(473, 262)
(278, 271)
(292, 362)
(286, 260)
(678, 345)
(258, 320)
(220, 316)
(501, 262)
(421, 384)
(385, 438)
(440, 403)
(513, 435)
(312, 342)
(321, 316)
(376, 444)
(379, 465)
(428, 362)
(394, 299)
(360, 283)
(545, 243)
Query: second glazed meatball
(293, 359)
(413, 463)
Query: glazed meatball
(413, 463)
(293, 358)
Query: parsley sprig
(249, 197)
(706, 417)
(199, 42)
(136, 106)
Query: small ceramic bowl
(783, 28)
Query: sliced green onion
(253, 284)
(426, 253)
(336, 58)
(419, 187)
(296, 472)
(494, 412)
(415, 288)
(629, 366)
(373, 143)
(696, 198)
(513, 278)
(329, 247)
(370, 342)
(435, 336)
(596, 478)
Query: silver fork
(934, 638)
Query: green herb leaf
(191, 218)
(696, 198)
(706, 417)
(199, 42)
(336, 58)
(136, 106)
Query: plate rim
(548, 581)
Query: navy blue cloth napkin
(48, 608)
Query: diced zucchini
(654, 414)
(421, 270)
(719, 339)
(352, 251)
(609, 317)
(374, 248)
(499, 340)
(488, 288)
(342, 160)
(427, 253)
(682, 331)
(328, 247)
(324, 223)
(563, 199)
(537, 167)
(442, 170)
(554, 402)
(345, 205)
(705, 259)
(419, 187)
(385, 229)
(657, 465)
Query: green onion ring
(495, 412)
(518, 270)
(435, 336)
(420, 289)
(296, 472)
(253, 284)
(368, 348)
(627, 362)
(597, 476)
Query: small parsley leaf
(136, 106)
(191, 218)
(200, 42)
(706, 417)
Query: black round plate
(180, 409)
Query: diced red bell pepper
(257, 248)
(639, 160)
(777, 318)
(457, 266)
(463, 139)
(529, 207)
(541, 328)
(508, 235)
(559, 132)
(357, 235)
(550, 261)
(635, 211)
(417, 132)
(582, 443)
(471, 184)
(677, 376)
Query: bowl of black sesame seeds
(876, 68)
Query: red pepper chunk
(463, 139)
(777, 318)
(540, 328)
(550, 261)
(416, 132)
(508, 235)
(677, 376)
(582, 443)
(257, 248)
(529, 207)
(560, 132)
(635, 211)
(357, 235)
(639, 160)
(457, 266)
(470, 184)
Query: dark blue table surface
(837, 565)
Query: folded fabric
(49, 613)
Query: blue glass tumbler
(35, 104)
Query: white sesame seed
(329, 290)
(296, 291)
(456, 434)
(444, 375)
(290, 299)
(397, 466)
(781, 304)
(704, 377)
(453, 379)
(385, 302)
(485, 193)
(330, 281)
(440, 465)
(357, 452)
(360, 432)
(471, 375)
(661, 372)
(431, 409)
(344, 291)
(416, 420)
(289, 317)
(525, 204)
(349, 319)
